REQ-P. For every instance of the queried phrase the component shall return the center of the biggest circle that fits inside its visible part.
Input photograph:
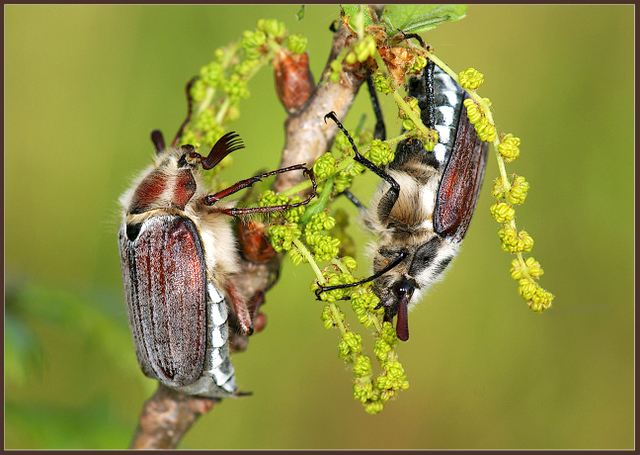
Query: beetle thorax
(412, 213)
(409, 226)
(165, 186)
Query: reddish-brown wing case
(164, 275)
(461, 181)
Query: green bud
(470, 79)
(297, 44)
(509, 147)
(382, 84)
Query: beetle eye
(405, 287)
(190, 158)
(133, 230)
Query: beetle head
(395, 289)
(402, 286)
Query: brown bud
(294, 81)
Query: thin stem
(223, 110)
(211, 91)
(304, 251)
(403, 105)
(399, 138)
(296, 188)
(340, 265)
(208, 99)
(274, 47)
(335, 310)
(412, 116)
(524, 268)
(376, 322)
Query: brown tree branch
(168, 414)
(307, 135)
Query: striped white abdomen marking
(449, 96)
(218, 378)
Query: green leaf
(300, 14)
(419, 18)
(408, 18)
(353, 10)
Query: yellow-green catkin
(470, 79)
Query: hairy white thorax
(409, 225)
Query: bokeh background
(84, 86)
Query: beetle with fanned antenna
(177, 251)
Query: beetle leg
(401, 257)
(349, 195)
(242, 184)
(428, 117)
(245, 321)
(380, 130)
(406, 36)
(393, 193)
(176, 140)
(213, 198)
(156, 135)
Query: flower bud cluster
(371, 392)
(470, 79)
(509, 147)
(486, 131)
(223, 83)
(510, 191)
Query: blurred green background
(84, 86)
